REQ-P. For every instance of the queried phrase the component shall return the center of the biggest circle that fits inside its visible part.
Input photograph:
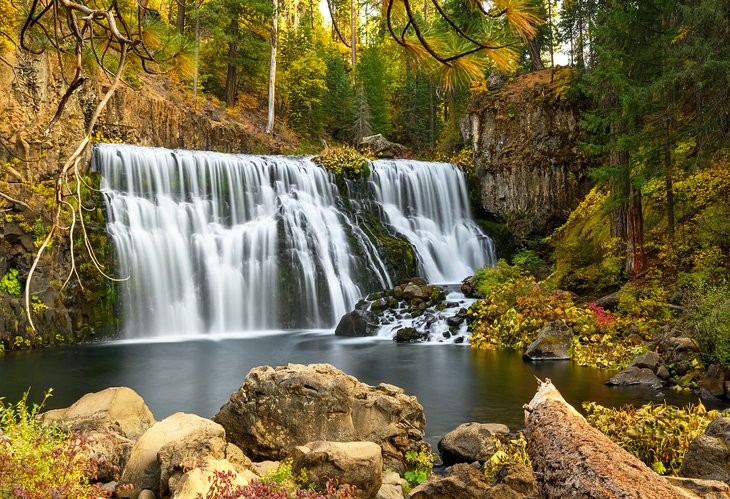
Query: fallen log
(573, 459)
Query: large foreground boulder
(470, 442)
(277, 409)
(181, 441)
(110, 420)
(708, 456)
(353, 463)
(574, 460)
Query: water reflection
(454, 383)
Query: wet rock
(648, 360)
(708, 455)
(714, 380)
(409, 335)
(552, 343)
(469, 442)
(278, 408)
(455, 321)
(357, 323)
(467, 287)
(354, 463)
(414, 291)
(460, 481)
(636, 376)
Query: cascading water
(428, 204)
(223, 243)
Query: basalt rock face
(529, 170)
(29, 96)
(277, 409)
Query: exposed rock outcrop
(529, 167)
(278, 408)
(461, 481)
(380, 147)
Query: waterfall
(428, 204)
(217, 243)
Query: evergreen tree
(371, 78)
(339, 106)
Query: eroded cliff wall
(529, 166)
(30, 159)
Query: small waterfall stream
(223, 243)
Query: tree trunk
(533, 49)
(231, 83)
(668, 184)
(635, 260)
(353, 34)
(196, 56)
(574, 460)
(180, 24)
(272, 68)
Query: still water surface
(454, 383)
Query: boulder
(353, 463)
(714, 381)
(413, 290)
(357, 323)
(392, 487)
(648, 360)
(409, 335)
(111, 420)
(520, 478)
(197, 482)
(461, 481)
(381, 147)
(708, 455)
(278, 408)
(609, 301)
(467, 287)
(118, 409)
(552, 343)
(469, 442)
(636, 376)
(181, 440)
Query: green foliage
(658, 434)
(10, 284)
(506, 450)
(303, 87)
(587, 258)
(343, 159)
(37, 304)
(420, 464)
(487, 278)
(283, 476)
(371, 74)
(38, 461)
(710, 316)
(339, 106)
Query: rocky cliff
(159, 114)
(529, 168)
